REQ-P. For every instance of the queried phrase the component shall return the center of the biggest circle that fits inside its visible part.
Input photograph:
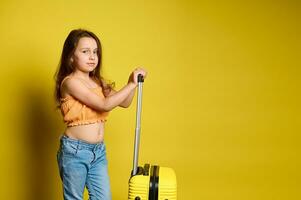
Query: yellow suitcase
(150, 182)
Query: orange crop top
(76, 113)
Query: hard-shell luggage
(150, 182)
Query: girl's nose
(92, 56)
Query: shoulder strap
(64, 80)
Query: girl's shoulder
(64, 79)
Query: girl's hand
(134, 75)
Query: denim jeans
(81, 165)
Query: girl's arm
(79, 91)
(123, 97)
(127, 102)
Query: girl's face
(85, 55)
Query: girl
(85, 101)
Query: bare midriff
(91, 133)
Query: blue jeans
(81, 165)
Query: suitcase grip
(140, 78)
(138, 124)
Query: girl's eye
(85, 51)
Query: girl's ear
(71, 59)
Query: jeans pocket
(69, 149)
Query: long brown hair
(65, 67)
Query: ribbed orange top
(76, 113)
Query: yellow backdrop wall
(221, 103)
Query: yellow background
(221, 103)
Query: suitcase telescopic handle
(138, 125)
